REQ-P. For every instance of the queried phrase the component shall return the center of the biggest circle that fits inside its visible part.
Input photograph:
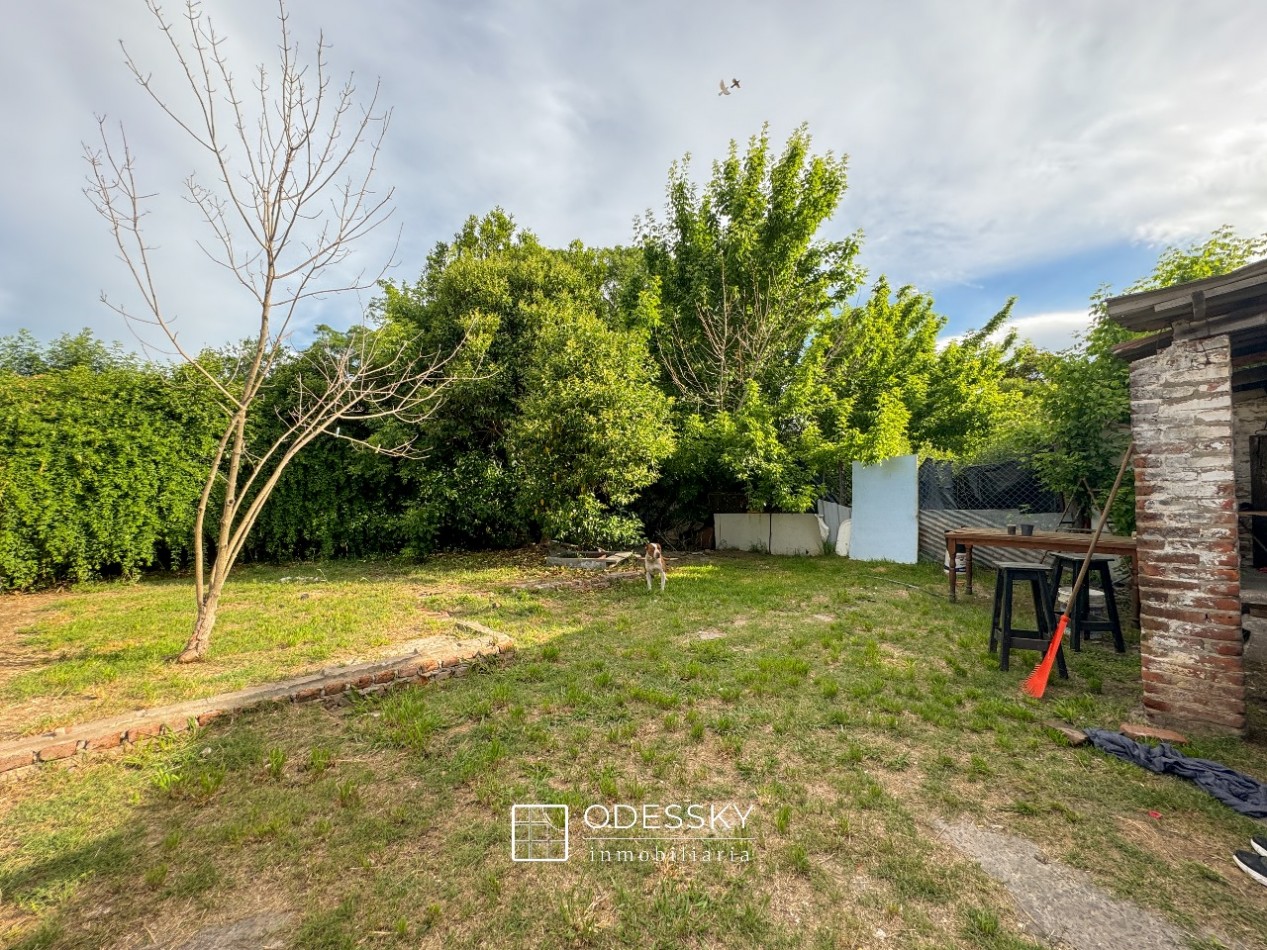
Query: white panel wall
(886, 511)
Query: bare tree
(288, 195)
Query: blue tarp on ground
(1240, 792)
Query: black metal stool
(1003, 635)
(1080, 622)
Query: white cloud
(1053, 331)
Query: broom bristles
(1036, 683)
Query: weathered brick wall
(1189, 571)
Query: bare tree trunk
(200, 639)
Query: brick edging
(122, 731)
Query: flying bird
(734, 84)
(724, 90)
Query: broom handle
(1099, 528)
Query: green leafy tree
(737, 282)
(555, 411)
(591, 430)
(738, 277)
(780, 379)
(876, 360)
(23, 355)
(969, 392)
(488, 287)
(1017, 419)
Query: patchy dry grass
(849, 711)
(104, 648)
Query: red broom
(1036, 683)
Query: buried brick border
(420, 665)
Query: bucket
(961, 560)
(1095, 598)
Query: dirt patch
(246, 934)
(1063, 906)
(794, 900)
(578, 583)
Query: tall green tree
(740, 276)
(591, 430)
(781, 378)
(23, 355)
(970, 390)
(876, 359)
(898, 390)
(737, 282)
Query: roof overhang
(1234, 303)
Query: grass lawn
(849, 711)
(104, 648)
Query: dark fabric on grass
(1241, 792)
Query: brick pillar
(1189, 562)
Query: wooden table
(1071, 541)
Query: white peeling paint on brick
(1184, 423)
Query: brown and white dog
(653, 563)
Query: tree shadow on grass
(58, 879)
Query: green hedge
(100, 471)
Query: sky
(995, 149)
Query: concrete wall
(775, 533)
(1186, 526)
